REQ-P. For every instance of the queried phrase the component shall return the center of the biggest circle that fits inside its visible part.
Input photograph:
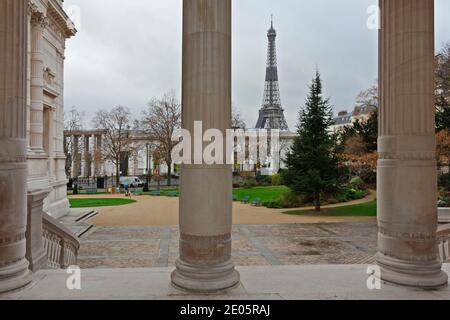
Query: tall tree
(117, 137)
(314, 162)
(443, 88)
(237, 120)
(366, 131)
(368, 98)
(160, 121)
(443, 148)
(73, 121)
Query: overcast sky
(127, 52)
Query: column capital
(38, 18)
(32, 7)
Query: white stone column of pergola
(206, 200)
(97, 156)
(75, 156)
(407, 173)
(38, 24)
(94, 151)
(86, 157)
(14, 271)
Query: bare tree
(443, 72)
(159, 122)
(237, 120)
(73, 121)
(442, 92)
(116, 124)
(368, 98)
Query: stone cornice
(61, 19)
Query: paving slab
(253, 245)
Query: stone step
(87, 216)
(78, 221)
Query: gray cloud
(126, 52)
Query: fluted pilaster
(38, 24)
(14, 271)
(407, 173)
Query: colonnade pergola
(86, 164)
(407, 175)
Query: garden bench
(246, 199)
(91, 190)
(173, 194)
(235, 197)
(257, 202)
(155, 193)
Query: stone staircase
(77, 220)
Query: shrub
(443, 198)
(291, 200)
(441, 204)
(444, 181)
(350, 193)
(276, 180)
(356, 182)
(249, 183)
(333, 201)
(274, 204)
(263, 180)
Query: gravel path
(163, 211)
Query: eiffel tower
(271, 115)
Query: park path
(163, 211)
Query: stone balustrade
(60, 244)
(443, 235)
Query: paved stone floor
(253, 245)
(318, 282)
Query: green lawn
(264, 193)
(92, 203)
(358, 210)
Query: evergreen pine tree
(313, 163)
(442, 114)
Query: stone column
(93, 166)
(38, 23)
(75, 160)
(14, 271)
(407, 173)
(98, 156)
(86, 157)
(206, 191)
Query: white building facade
(48, 28)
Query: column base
(205, 280)
(15, 276)
(38, 261)
(424, 275)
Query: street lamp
(148, 166)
